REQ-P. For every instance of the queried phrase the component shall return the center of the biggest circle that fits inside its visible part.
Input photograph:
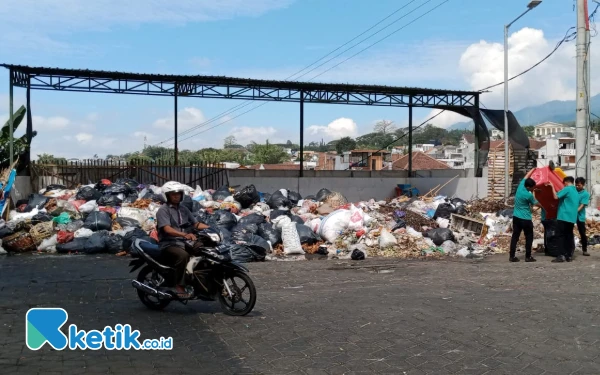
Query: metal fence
(74, 173)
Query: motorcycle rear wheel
(228, 304)
(151, 302)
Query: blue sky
(457, 46)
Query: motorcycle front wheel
(146, 277)
(243, 297)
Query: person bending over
(172, 218)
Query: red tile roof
(276, 167)
(469, 138)
(420, 162)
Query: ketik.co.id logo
(42, 325)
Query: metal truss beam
(234, 88)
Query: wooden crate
(459, 222)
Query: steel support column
(11, 117)
(477, 170)
(301, 134)
(29, 131)
(410, 137)
(176, 130)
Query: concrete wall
(362, 185)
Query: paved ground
(323, 317)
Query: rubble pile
(108, 216)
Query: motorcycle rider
(171, 218)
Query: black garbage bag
(225, 235)
(126, 222)
(109, 200)
(96, 243)
(506, 213)
(357, 255)
(255, 242)
(297, 219)
(323, 194)
(252, 219)
(102, 185)
(196, 206)
(118, 188)
(114, 243)
(131, 236)
(221, 194)
(131, 198)
(294, 197)
(266, 197)
(188, 202)
(457, 202)
(98, 220)
(246, 254)
(444, 211)
(87, 194)
(594, 240)
(270, 233)
(77, 245)
(552, 245)
(225, 219)
(247, 196)
(239, 231)
(306, 235)
(42, 217)
(129, 183)
(400, 223)
(278, 201)
(5, 232)
(276, 213)
(205, 218)
(36, 201)
(310, 198)
(158, 198)
(55, 187)
(461, 210)
(440, 235)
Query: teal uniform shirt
(584, 198)
(523, 202)
(568, 203)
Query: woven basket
(19, 242)
(24, 225)
(336, 200)
(41, 231)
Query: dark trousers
(177, 258)
(581, 229)
(566, 238)
(526, 226)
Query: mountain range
(554, 111)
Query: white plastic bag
(88, 207)
(314, 224)
(16, 216)
(291, 240)
(334, 224)
(281, 221)
(448, 247)
(133, 213)
(414, 233)
(386, 239)
(49, 244)
(356, 219)
(442, 223)
(464, 252)
(83, 233)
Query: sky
(459, 45)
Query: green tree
(345, 144)
(20, 145)
(49, 159)
(375, 140)
(268, 154)
(529, 130)
(384, 127)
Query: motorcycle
(210, 275)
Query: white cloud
(93, 117)
(339, 128)
(186, 119)
(84, 138)
(50, 123)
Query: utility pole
(582, 116)
(588, 174)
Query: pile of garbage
(108, 217)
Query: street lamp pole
(507, 184)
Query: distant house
(546, 129)
(420, 162)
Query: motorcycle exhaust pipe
(149, 290)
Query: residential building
(467, 149)
(546, 129)
(420, 162)
(370, 160)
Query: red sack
(78, 204)
(543, 193)
(64, 236)
(154, 234)
(106, 182)
(110, 210)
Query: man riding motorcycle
(172, 218)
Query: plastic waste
(98, 220)
(386, 239)
(63, 218)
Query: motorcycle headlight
(215, 237)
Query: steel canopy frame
(177, 86)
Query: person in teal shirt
(568, 204)
(522, 221)
(584, 201)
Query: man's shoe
(513, 259)
(569, 259)
(586, 254)
(559, 259)
(530, 259)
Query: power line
(240, 106)
(364, 49)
